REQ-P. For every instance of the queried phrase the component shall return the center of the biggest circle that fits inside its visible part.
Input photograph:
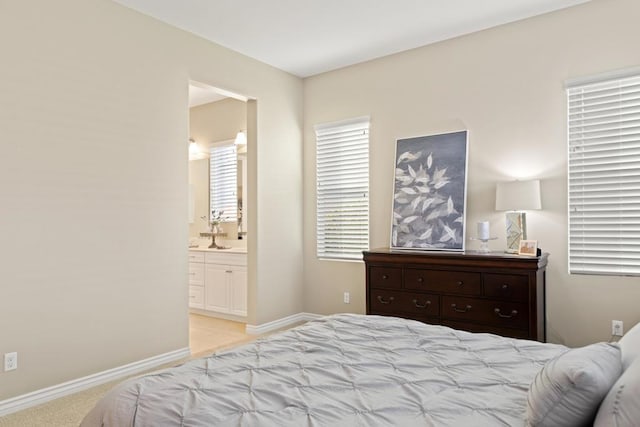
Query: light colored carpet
(206, 335)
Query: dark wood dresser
(499, 293)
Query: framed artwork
(528, 247)
(429, 192)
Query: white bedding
(341, 370)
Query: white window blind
(604, 176)
(223, 184)
(342, 180)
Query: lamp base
(516, 223)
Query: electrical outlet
(10, 361)
(617, 328)
(346, 298)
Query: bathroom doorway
(218, 211)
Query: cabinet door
(216, 288)
(238, 289)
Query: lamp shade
(518, 195)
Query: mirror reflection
(217, 172)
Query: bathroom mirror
(217, 183)
(217, 132)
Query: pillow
(569, 388)
(621, 407)
(630, 346)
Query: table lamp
(516, 197)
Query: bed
(349, 370)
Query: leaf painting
(429, 192)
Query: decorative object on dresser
(498, 293)
(429, 192)
(483, 236)
(483, 230)
(528, 247)
(516, 197)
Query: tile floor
(207, 334)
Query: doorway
(218, 229)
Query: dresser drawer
(492, 312)
(385, 277)
(407, 302)
(451, 282)
(506, 286)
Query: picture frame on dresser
(430, 192)
(528, 247)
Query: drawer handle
(505, 287)
(506, 316)
(426, 304)
(460, 310)
(383, 301)
(460, 283)
(228, 271)
(420, 280)
(192, 274)
(385, 277)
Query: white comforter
(341, 370)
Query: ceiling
(202, 94)
(305, 37)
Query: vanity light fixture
(194, 150)
(241, 138)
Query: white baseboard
(280, 323)
(217, 315)
(37, 397)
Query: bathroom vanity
(218, 281)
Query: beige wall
(213, 122)
(93, 124)
(93, 182)
(504, 85)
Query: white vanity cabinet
(224, 288)
(196, 279)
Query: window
(223, 172)
(342, 180)
(604, 175)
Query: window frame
(603, 113)
(348, 238)
(230, 210)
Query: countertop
(230, 250)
